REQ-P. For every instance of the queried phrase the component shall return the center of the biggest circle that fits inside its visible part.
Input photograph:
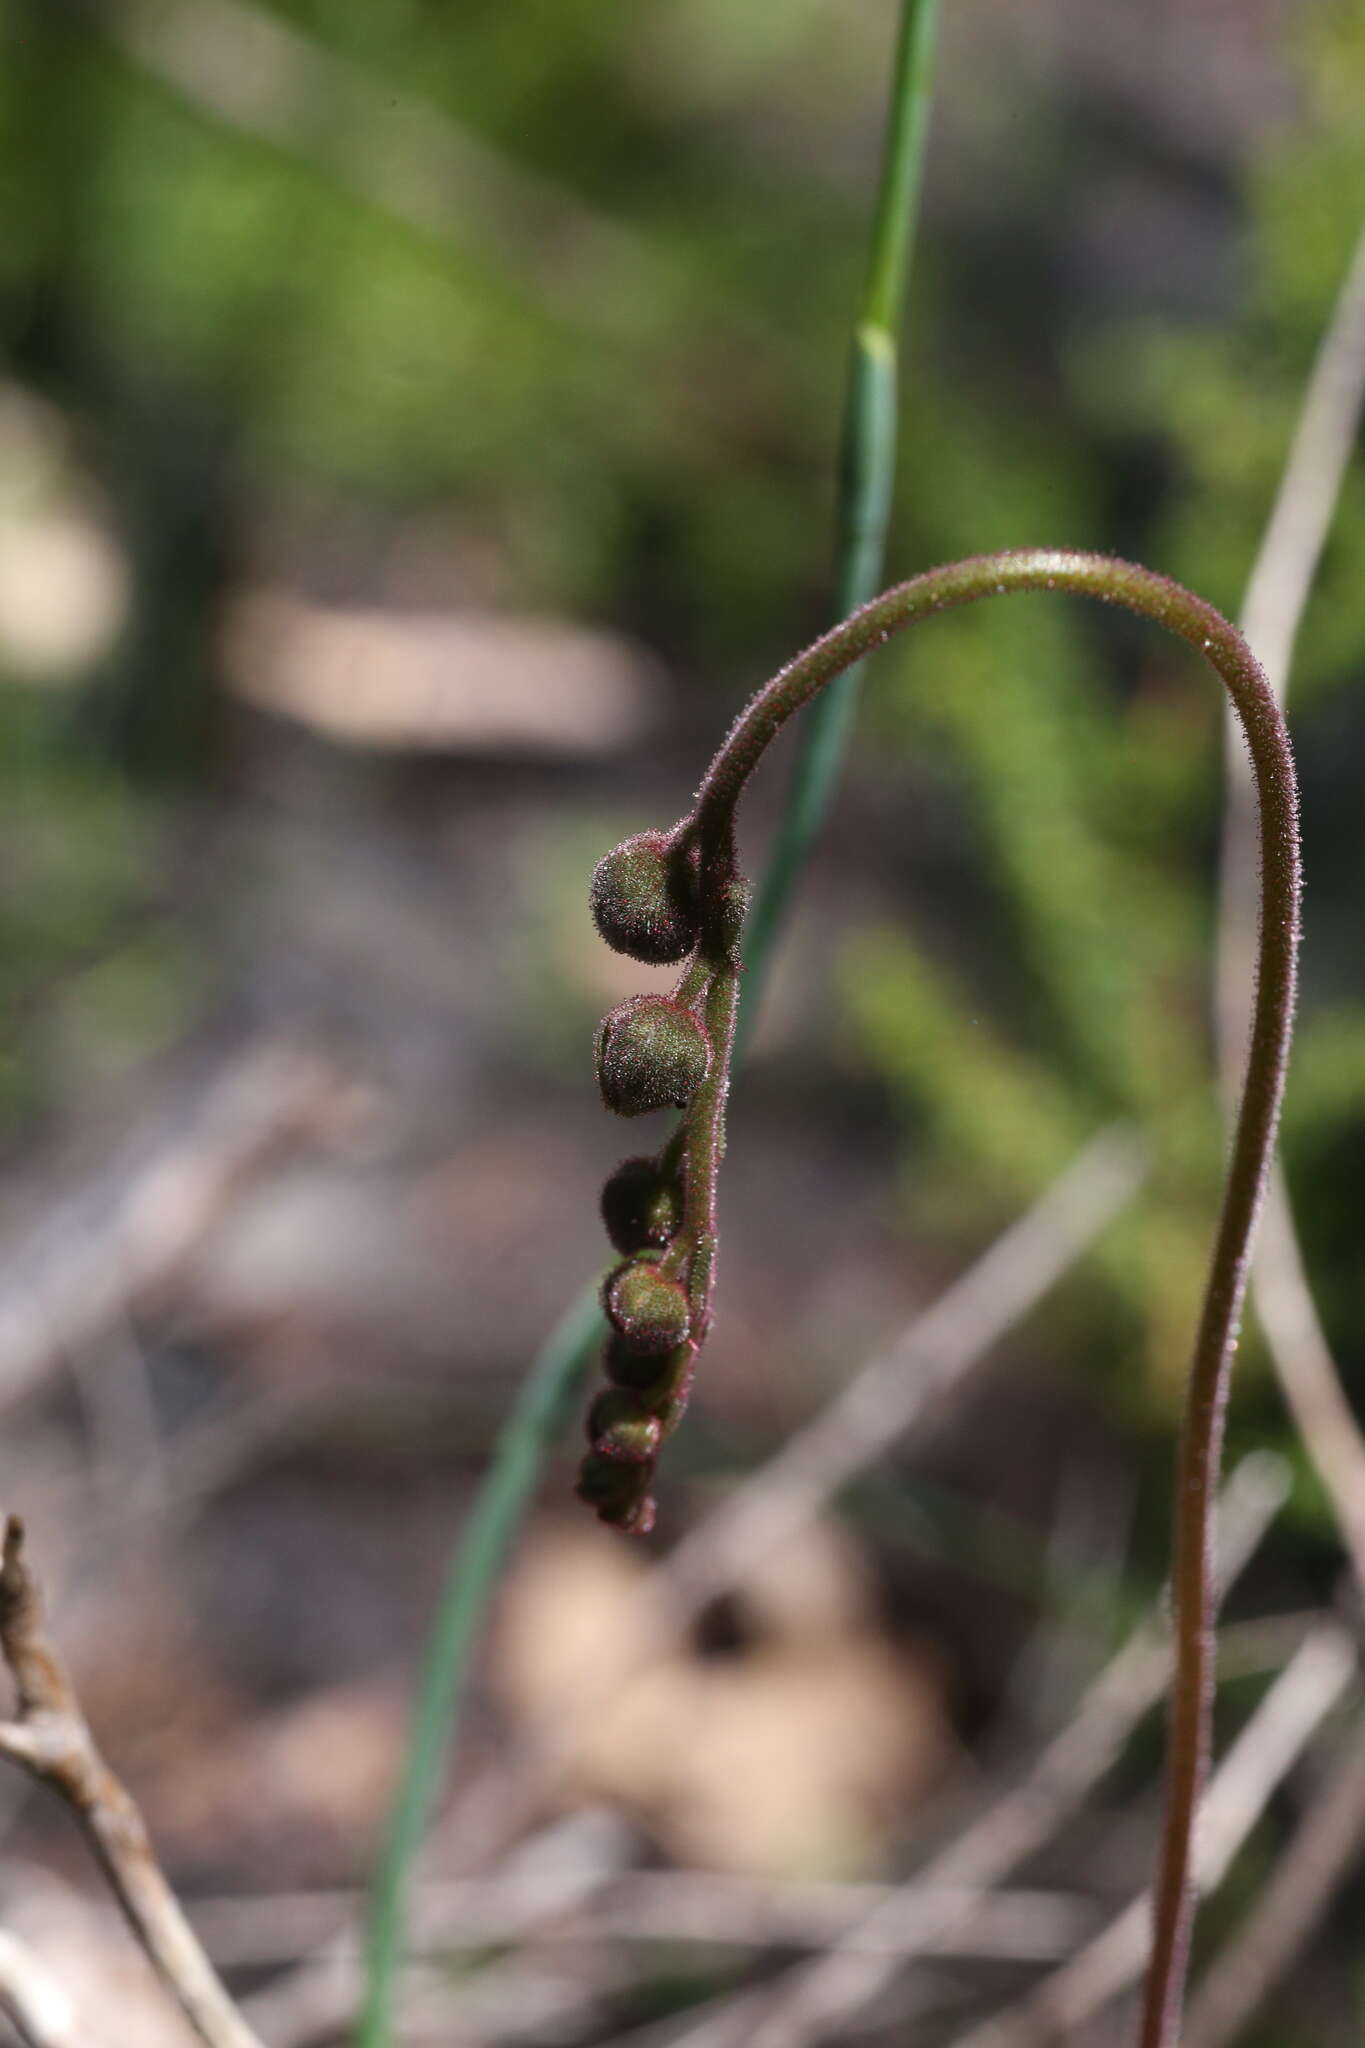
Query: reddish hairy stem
(706, 1125)
(1209, 633)
(705, 1132)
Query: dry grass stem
(1305, 504)
(1328, 1841)
(1272, 609)
(33, 2001)
(1238, 1793)
(862, 1964)
(710, 1908)
(50, 1737)
(103, 1249)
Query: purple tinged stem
(1167, 604)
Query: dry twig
(32, 2000)
(711, 1908)
(1267, 1748)
(1272, 609)
(1328, 1840)
(51, 1738)
(102, 1250)
(861, 1964)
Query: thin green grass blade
(553, 1385)
(535, 1425)
(867, 480)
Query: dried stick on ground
(1265, 1751)
(930, 1992)
(97, 1253)
(543, 1909)
(1329, 1839)
(33, 2002)
(272, 1928)
(710, 1908)
(320, 1995)
(51, 1738)
(1271, 611)
(862, 1963)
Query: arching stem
(1166, 604)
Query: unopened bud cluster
(649, 1354)
(651, 901)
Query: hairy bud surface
(621, 1427)
(651, 1054)
(648, 1311)
(641, 1206)
(643, 899)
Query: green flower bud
(610, 1487)
(641, 1206)
(618, 1492)
(644, 899)
(647, 1310)
(621, 1428)
(651, 1054)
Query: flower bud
(641, 1206)
(612, 1488)
(648, 1375)
(618, 1493)
(621, 1428)
(651, 1054)
(644, 899)
(647, 1310)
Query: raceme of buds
(644, 899)
(647, 1310)
(651, 1054)
(621, 1427)
(679, 897)
(641, 1206)
(662, 896)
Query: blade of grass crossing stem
(866, 481)
(867, 476)
(552, 1387)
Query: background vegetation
(417, 435)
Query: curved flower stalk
(678, 896)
